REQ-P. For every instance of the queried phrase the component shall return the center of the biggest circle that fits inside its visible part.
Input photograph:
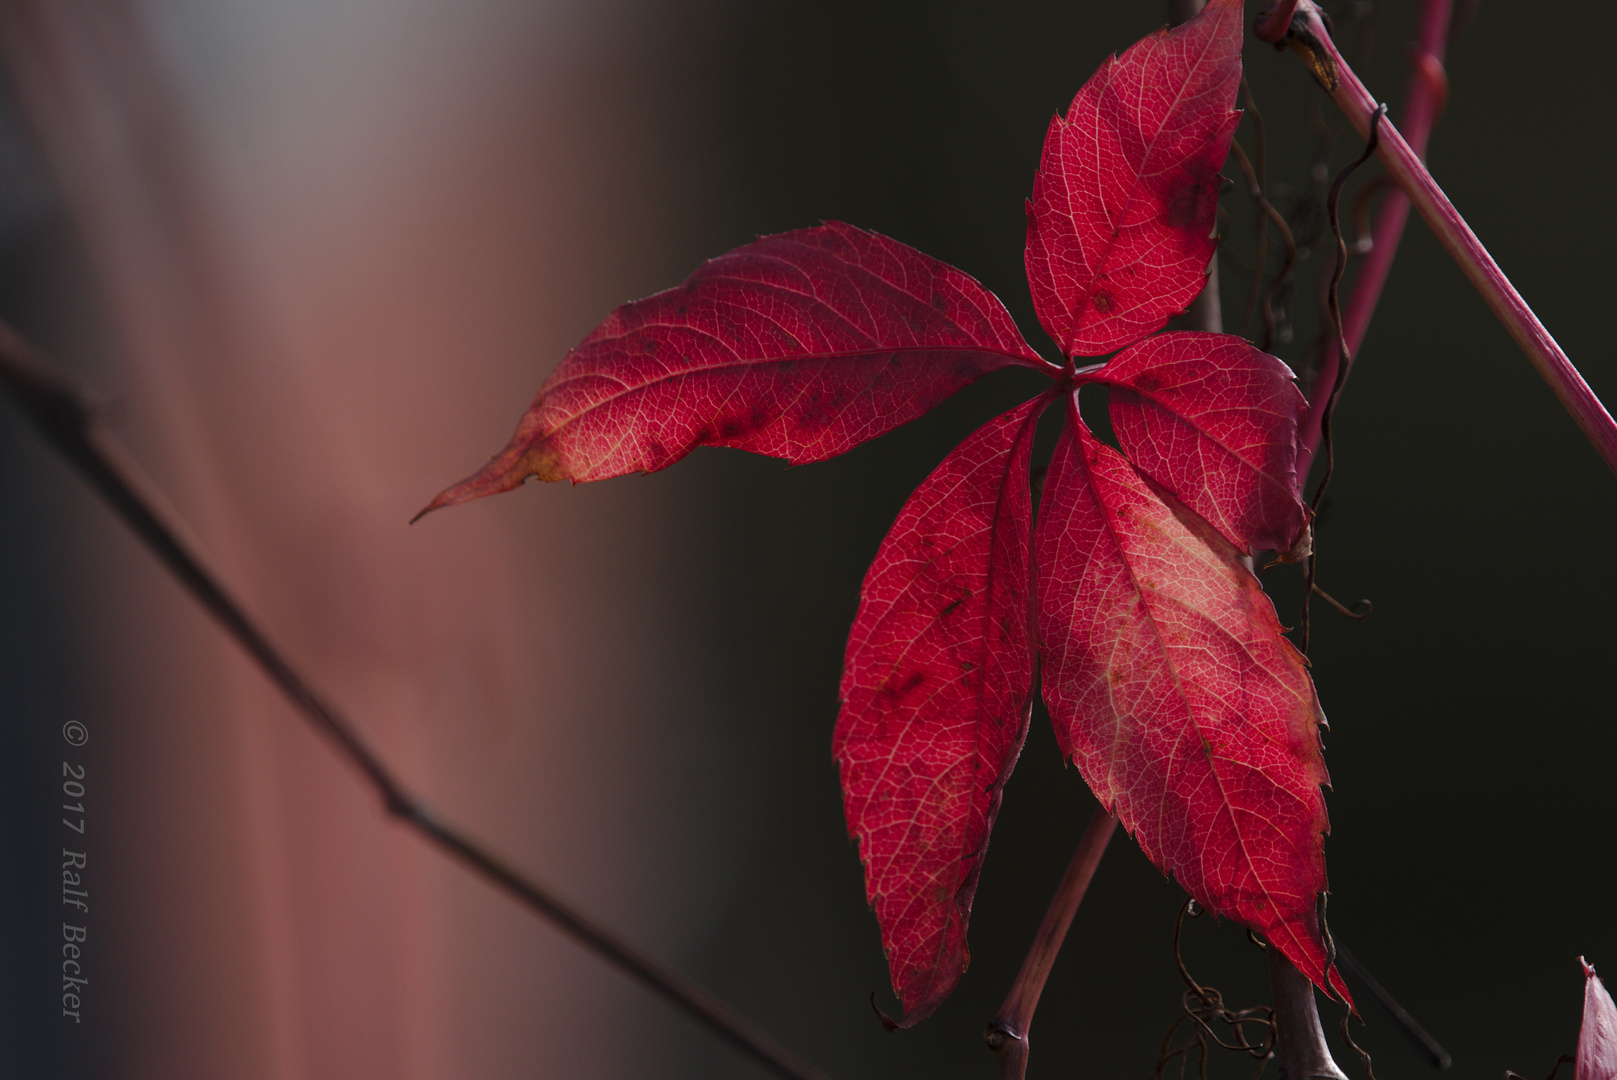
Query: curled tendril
(1335, 312)
(1564, 1059)
(1360, 610)
(1204, 1006)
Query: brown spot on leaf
(1103, 301)
(1187, 205)
(897, 693)
(541, 460)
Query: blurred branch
(1430, 1048)
(60, 411)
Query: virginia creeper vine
(804, 344)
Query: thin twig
(1257, 183)
(1407, 170)
(1204, 1004)
(1283, 276)
(1429, 1047)
(1418, 116)
(1007, 1033)
(1564, 1059)
(62, 414)
(1349, 1011)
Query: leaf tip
(450, 496)
(507, 471)
(888, 1024)
(1597, 1036)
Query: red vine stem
(1405, 167)
(1428, 91)
(1006, 1034)
(1273, 22)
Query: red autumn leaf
(800, 346)
(1121, 220)
(1167, 674)
(1597, 1039)
(1214, 420)
(1175, 694)
(935, 697)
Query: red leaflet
(1171, 687)
(1120, 224)
(801, 346)
(1214, 420)
(1597, 1039)
(935, 699)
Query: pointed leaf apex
(507, 471)
(1597, 1039)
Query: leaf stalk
(1007, 1034)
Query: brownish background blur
(317, 256)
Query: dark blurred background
(315, 258)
